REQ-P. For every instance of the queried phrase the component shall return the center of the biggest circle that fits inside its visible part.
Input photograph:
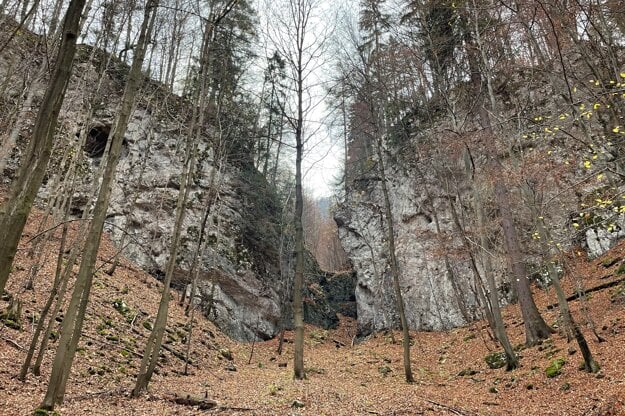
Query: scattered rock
(230, 367)
(226, 353)
(297, 404)
(202, 403)
(13, 315)
(496, 360)
(467, 372)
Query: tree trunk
(390, 235)
(535, 327)
(512, 361)
(15, 211)
(72, 324)
(590, 365)
(298, 282)
(46, 308)
(154, 342)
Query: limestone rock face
(431, 295)
(239, 267)
(238, 275)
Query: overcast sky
(324, 153)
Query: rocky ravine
(240, 282)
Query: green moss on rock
(609, 262)
(555, 368)
(496, 360)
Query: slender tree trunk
(512, 361)
(212, 199)
(15, 211)
(535, 327)
(390, 235)
(590, 365)
(46, 308)
(298, 282)
(153, 344)
(72, 324)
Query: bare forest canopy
(171, 143)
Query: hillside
(362, 379)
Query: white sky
(322, 163)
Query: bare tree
(154, 342)
(301, 49)
(73, 320)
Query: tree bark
(15, 211)
(535, 327)
(72, 324)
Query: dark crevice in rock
(96, 141)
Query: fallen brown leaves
(365, 379)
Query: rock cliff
(434, 298)
(240, 287)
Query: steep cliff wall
(562, 166)
(241, 287)
(436, 298)
(240, 265)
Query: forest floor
(363, 379)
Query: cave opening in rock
(96, 141)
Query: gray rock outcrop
(433, 300)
